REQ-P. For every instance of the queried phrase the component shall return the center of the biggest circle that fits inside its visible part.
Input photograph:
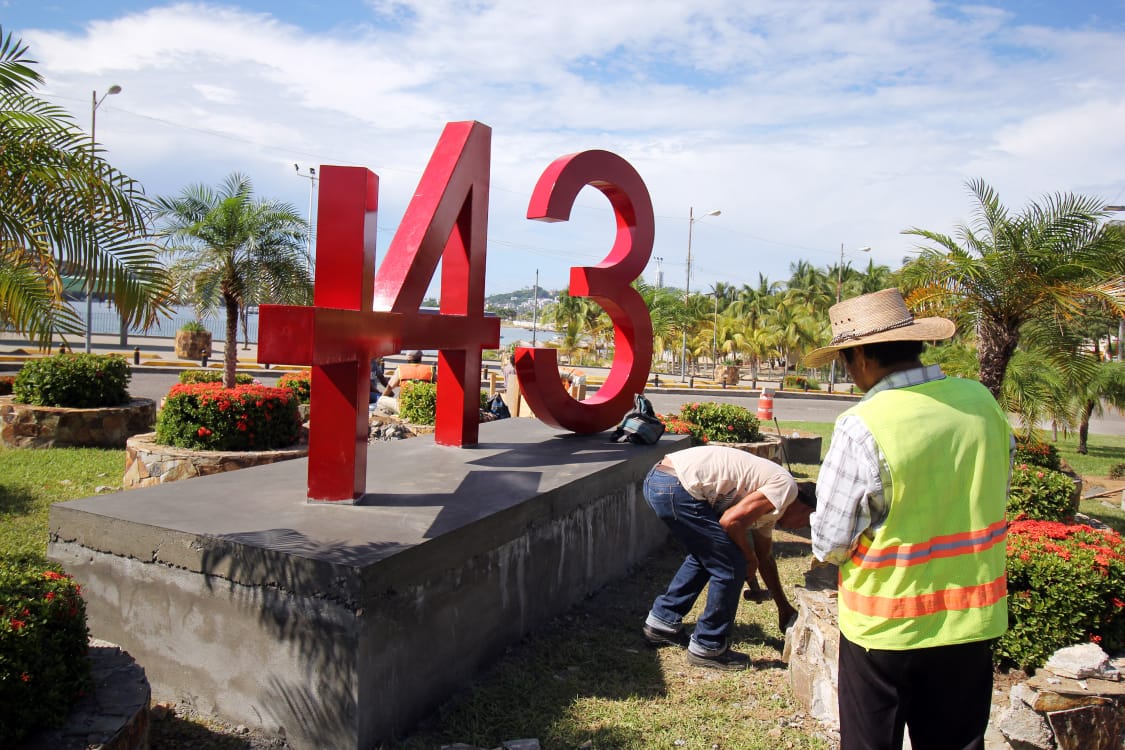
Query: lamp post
(687, 283)
(311, 177)
(535, 309)
(1120, 321)
(95, 102)
(715, 341)
(839, 289)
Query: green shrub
(417, 402)
(709, 422)
(298, 382)
(43, 650)
(206, 416)
(213, 376)
(1037, 453)
(800, 383)
(193, 326)
(1040, 494)
(1066, 585)
(6, 383)
(81, 381)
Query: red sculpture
(608, 283)
(359, 313)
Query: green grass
(31, 480)
(586, 677)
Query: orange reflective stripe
(970, 597)
(951, 545)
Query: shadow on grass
(15, 501)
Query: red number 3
(608, 283)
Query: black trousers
(942, 694)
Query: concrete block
(343, 625)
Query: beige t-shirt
(722, 476)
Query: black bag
(640, 426)
(498, 408)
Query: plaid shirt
(855, 481)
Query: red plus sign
(446, 221)
(339, 335)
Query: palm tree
(64, 211)
(229, 249)
(1049, 261)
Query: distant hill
(519, 304)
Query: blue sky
(812, 126)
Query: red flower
(50, 596)
(17, 624)
(202, 432)
(25, 677)
(53, 576)
(1095, 638)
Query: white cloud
(809, 124)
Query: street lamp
(687, 282)
(1120, 321)
(715, 341)
(839, 289)
(95, 102)
(311, 177)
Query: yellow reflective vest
(933, 573)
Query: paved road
(155, 385)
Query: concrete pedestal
(344, 625)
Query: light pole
(535, 309)
(715, 341)
(687, 283)
(1120, 321)
(839, 289)
(311, 177)
(95, 102)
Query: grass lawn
(31, 480)
(585, 680)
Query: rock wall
(148, 463)
(28, 426)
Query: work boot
(728, 660)
(662, 637)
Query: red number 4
(354, 320)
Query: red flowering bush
(1037, 453)
(709, 422)
(1041, 494)
(298, 382)
(1066, 584)
(80, 381)
(43, 645)
(206, 416)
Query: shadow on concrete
(324, 698)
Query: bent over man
(710, 497)
(911, 499)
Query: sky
(817, 128)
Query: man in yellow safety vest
(910, 505)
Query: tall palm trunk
(1084, 426)
(997, 343)
(230, 347)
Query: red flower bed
(206, 416)
(1066, 584)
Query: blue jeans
(712, 559)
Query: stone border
(30, 426)
(113, 717)
(147, 463)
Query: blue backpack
(641, 425)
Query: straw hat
(873, 318)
